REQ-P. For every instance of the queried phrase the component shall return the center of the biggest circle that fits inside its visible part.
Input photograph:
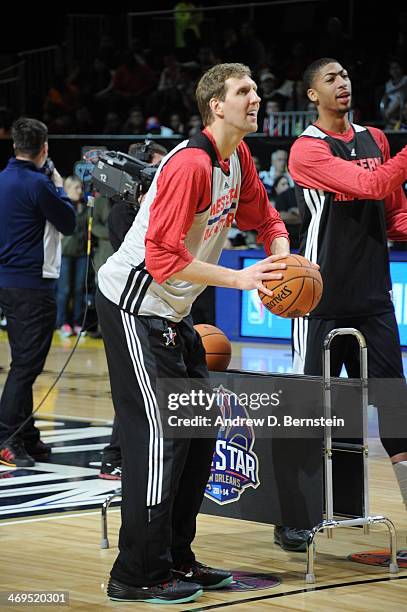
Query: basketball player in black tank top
(351, 200)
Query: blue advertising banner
(256, 322)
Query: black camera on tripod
(120, 176)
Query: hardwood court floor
(61, 552)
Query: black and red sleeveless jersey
(345, 234)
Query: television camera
(120, 176)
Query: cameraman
(109, 234)
(34, 208)
(119, 221)
(123, 213)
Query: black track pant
(163, 480)
(384, 357)
(31, 315)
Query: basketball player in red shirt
(351, 201)
(145, 293)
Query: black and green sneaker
(172, 592)
(208, 577)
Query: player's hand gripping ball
(297, 293)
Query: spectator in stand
(176, 124)
(6, 120)
(278, 168)
(257, 163)
(62, 97)
(59, 124)
(269, 93)
(395, 93)
(191, 48)
(167, 96)
(229, 45)
(187, 88)
(297, 98)
(283, 197)
(274, 121)
(194, 125)
(271, 107)
(401, 42)
(170, 76)
(83, 123)
(71, 282)
(296, 62)
(187, 20)
(132, 80)
(281, 185)
(112, 124)
(153, 126)
(268, 84)
(335, 42)
(100, 77)
(206, 58)
(250, 47)
(107, 52)
(135, 123)
(402, 124)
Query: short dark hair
(313, 69)
(29, 136)
(146, 152)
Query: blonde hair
(212, 85)
(72, 180)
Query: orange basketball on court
(297, 293)
(217, 347)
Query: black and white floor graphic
(68, 481)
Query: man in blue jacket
(34, 209)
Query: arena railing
(39, 68)
(84, 35)
(12, 91)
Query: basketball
(217, 347)
(297, 293)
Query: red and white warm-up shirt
(186, 215)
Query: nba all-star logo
(235, 466)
